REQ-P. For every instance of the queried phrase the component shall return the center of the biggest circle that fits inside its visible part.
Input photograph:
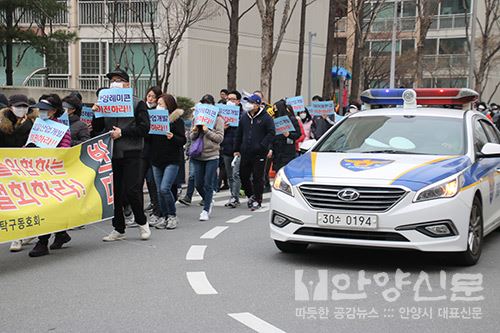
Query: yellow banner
(48, 190)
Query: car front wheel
(288, 247)
(474, 237)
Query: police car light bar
(423, 96)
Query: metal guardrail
(94, 82)
(453, 21)
(53, 81)
(28, 17)
(445, 61)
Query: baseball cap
(118, 72)
(18, 100)
(255, 99)
(3, 101)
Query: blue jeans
(190, 185)
(164, 178)
(204, 174)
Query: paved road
(225, 275)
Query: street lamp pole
(393, 45)
(472, 60)
(309, 66)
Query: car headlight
(447, 189)
(282, 184)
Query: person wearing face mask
(495, 114)
(284, 144)
(481, 107)
(205, 165)
(151, 100)
(306, 120)
(79, 130)
(128, 138)
(166, 156)
(232, 165)
(51, 107)
(253, 141)
(15, 127)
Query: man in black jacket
(128, 135)
(253, 140)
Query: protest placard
(64, 118)
(283, 124)
(159, 122)
(87, 115)
(206, 114)
(115, 103)
(48, 190)
(47, 133)
(230, 114)
(321, 108)
(297, 103)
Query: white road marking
(196, 252)
(239, 219)
(263, 209)
(200, 283)
(255, 323)
(214, 232)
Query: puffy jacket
(255, 134)
(211, 141)
(284, 147)
(165, 151)
(13, 135)
(320, 125)
(79, 130)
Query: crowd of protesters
(239, 159)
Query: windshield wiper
(387, 151)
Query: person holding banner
(253, 140)
(231, 163)
(206, 163)
(283, 148)
(166, 156)
(78, 129)
(51, 107)
(128, 142)
(15, 127)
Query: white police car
(409, 177)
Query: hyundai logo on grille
(348, 194)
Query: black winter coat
(165, 151)
(11, 134)
(255, 134)
(284, 147)
(79, 130)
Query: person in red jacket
(50, 107)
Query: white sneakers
(204, 216)
(114, 236)
(172, 222)
(16, 246)
(144, 231)
(155, 220)
(130, 222)
(162, 223)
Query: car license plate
(347, 221)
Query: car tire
(474, 237)
(289, 247)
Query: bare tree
(488, 46)
(179, 15)
(232, 10)
(363, 20)
(269, 50)
(300, 59)
(426, 9)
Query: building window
(449, 7)
(57, 59)
(93, 58)
(452, 46)
(430, 46)
(407, 45)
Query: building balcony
(455, 21)
(104, 12)
(445, 61)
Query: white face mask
(151, 105)
(248, 107)
(117, 84)
(44, 114)
(20, 111)
(303, 116)
(160, 108)
(231, 103)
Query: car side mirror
(307, 145)
(490, 150)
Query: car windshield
(397, 135)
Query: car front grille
(352, 234)
(373, 199)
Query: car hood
(411, 171)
